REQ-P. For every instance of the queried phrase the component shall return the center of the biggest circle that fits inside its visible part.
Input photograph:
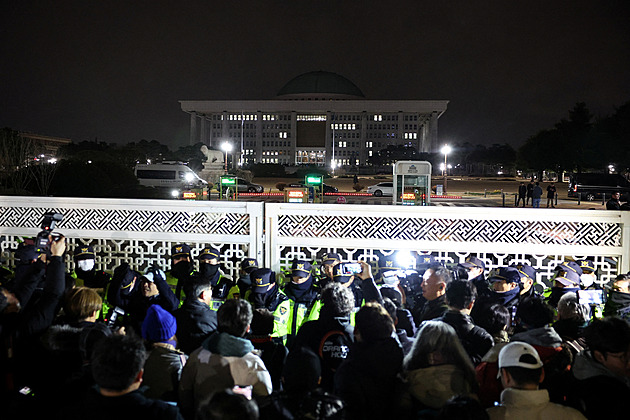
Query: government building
(318, 118)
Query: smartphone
(351, 268)
(590, 297)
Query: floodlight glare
(189, 177)
(405, 260)
(174, 193)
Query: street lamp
(446, 149)
(226, 147)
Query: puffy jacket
(476, 340)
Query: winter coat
(162, 371)
(522, 404)
(329, 337)
(131, 406)
(431, 309)
(311, 405)
(195, 322)
(367, 379)
(433, 386)
(596, 391)
(273, 355)
(476, 340)
(223, 361)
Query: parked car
(327, 188)
(245, 186)
(381, 189)
(589, 186)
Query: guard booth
(315, 184)
(412, 183)
(228, 187)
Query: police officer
(304, 297)
(329, 260)
(244, 282)
(267, 294)
(181, 270)
(589, 275)
(85, 273)
(566, 279)
(223, 287)
(476, 269)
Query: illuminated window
(378, 117)
(311, 117)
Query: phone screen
(590, 297)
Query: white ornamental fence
(142, 232)
(542, 238)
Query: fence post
(503, 198)
(484, 193)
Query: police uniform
(267, 294)
(244, 282)
(86, 275)
(304, 298)
(329, 258)
(179, 273)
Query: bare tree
(15, 153)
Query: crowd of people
(409, 338)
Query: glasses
(624, 357)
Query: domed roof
(320, 85)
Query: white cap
(511, 355)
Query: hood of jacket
(227, 345)
(434, 385)
(382, 358)
(544, 337)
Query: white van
(168, 174)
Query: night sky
(115, 70)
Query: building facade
(317, 118)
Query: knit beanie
(158, 325)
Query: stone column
(193, 128)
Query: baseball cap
(473, 262)
(586, 265)
(301, 268)
(249, 264)
(509, 274)
(512, 355)
(331, 258)
(180, 250)
(84, 253)
(525, 270)
(570, 266)
(567, 278)
(209, 253)
(261, 279)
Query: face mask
(210, 271)
(587, 280)
(503, 298)
(181, 269)
(298, 290)
(85, 265)
(471, 275)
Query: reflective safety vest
(289, 316)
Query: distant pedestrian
(614, 203)
(522, 194)
(551, 195)
(530, 191)
(355, 179)
(536, 195)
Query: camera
(42, 242)
(113, 322)
(350, 268)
